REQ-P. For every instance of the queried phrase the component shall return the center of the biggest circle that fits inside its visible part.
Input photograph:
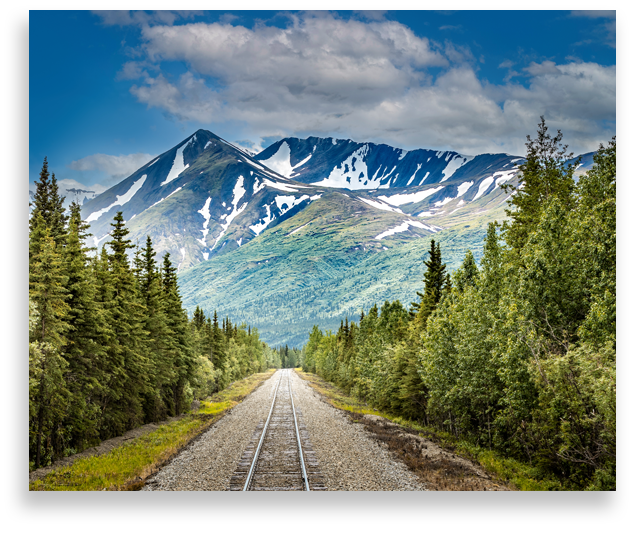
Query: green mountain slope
(322, 265)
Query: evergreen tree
(47, 289)
(434, 281)
(467, 274)
(41, 200)
(128, 351)
(184, 363)
(160, 342)
(545, 174)
(56, 220)
(86, 337)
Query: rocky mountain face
(350, 165)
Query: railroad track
(279, 456)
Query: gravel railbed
(208, 463)
(350, 459)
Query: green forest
(110, 345)
(517, 353)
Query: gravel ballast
(349, 458)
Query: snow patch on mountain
(381, 206)
(403, 227)
(352, 173)
(120, 199)
(160, 201)
(263, 223)
(205, 212)
(280, 161)
(463, 188)
(483, 187)
(444, 201)
(504, 176)
(238, 192)
(454, 164)
(412, 177)
(302, 162)
(425, 176)
(407, 198)
(288, 201)
(280, 186)
(179, 164)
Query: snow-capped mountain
(206, 196)
(202, 197)
(347, 164)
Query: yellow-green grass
(519, 475)
(127, 467)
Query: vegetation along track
(279, 456)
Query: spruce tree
(128, 351)
(86, 337)
(47, 289)
(41, 200)
(159, 336)
(57, 220)
(546, 173)
(184, 363)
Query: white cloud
(120, 166)
(369, 81)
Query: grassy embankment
(127, 467)
(517, 474)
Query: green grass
(127, 467)
(520, 475)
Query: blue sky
(108, 91)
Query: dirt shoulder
(438, 468)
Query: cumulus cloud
(368, 81)
(132, 70)
(120, 166)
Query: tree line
(518, 353)
(110, 345)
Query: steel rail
(263, 434)
(301, 454)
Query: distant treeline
(110, 345)
(517, 354)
